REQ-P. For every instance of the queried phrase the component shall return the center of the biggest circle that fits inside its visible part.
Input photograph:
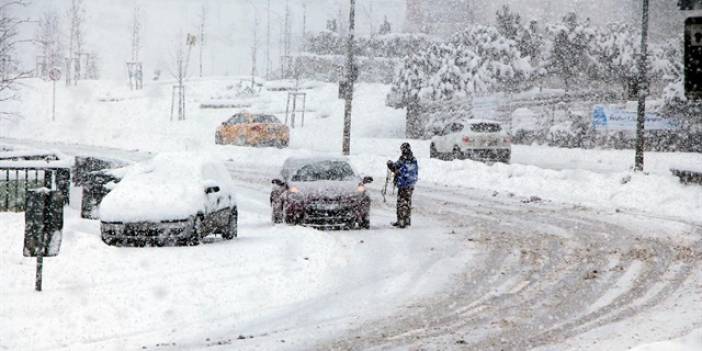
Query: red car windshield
(325, 170)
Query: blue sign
(617, 119)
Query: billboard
(606, 118)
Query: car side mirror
(278, 182)
(367, 180)
(211, 189)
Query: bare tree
(179, 71)
(254, 50)
(92, 66)
(268, 40)
(136, 34)
(76, 21)
(49, 44)
(10, 73)
(135, 69)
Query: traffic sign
(55, 74)
(693, 58)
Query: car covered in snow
(480, 140)
(323, 192)
(247, 129)
(172, 199)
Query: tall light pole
(643, 91)
(347, 87)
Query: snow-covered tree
(477, 60)
(504, 67)
(568, 56)
(667, 65)
(614, 50)
(509, 23)
(408, 82)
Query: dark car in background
(322, 193)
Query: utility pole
(350, 77)
(643, 91)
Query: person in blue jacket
(406, 172)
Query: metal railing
(15, 181)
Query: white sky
(231, 22)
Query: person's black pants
(404, 206)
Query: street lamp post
(643, 91)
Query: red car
(321, 193)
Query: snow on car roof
(169, 186)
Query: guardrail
(15, 181)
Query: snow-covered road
(550, 277)
(273, 287)
(479, 270)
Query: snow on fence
(16, 180)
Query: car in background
(247, 129)
(480, 140)
(321, 192)
(172, 199)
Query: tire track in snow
(550, 302)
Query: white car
(172, 199)
(480, 140)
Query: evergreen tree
(498, 57)
(509, 23)
(569, 53)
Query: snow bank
(655, 194)
(691, 342)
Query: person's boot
(400, 224)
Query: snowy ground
(269, 280)
(561, 250)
